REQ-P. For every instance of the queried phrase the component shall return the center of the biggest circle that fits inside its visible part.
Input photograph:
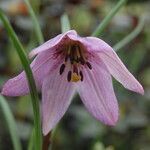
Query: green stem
(11, 123)
(131, 36)
(36, 25)
(29, 75)
(107, 19)
(65, 24)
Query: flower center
(76, 57)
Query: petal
(52, 43)
(41, 66)
(57, 93)
(16, 86)
(113, 64)
(96, 92)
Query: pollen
(75, 77)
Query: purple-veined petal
(113, 63)
(56, 41)
(96, 92)
(40, 66)
(57, 93)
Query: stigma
(76, 57)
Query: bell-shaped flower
(70, 63)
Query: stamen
(89, 65)
(82, 61)
(69, 76)
(71, 59)
(81, 75)
(78, 53)
(62, 68)
(77, 60)
(73, 48)
(66, 58)
(76, 57)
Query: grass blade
(11, 123)
(131, 36)
(36, 25)
(107, 19)
(31, 140)
(31, 82)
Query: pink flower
(70, 63)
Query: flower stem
(65, 24)
(107, 19)
(29, 75)
(46, 141)
(36, 25)
(131, 36)
(11, 123)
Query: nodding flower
(67, 64)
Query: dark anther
(81, 60)
(89, 65)
(69, 76)
(72, 57)
(81, 75)
(74, 47)
(71, 60)
(66, 58)
(62, 68)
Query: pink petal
(16, 86)
(57, 93)
(96, 92)
(52, 43)
(41, 66)
(113, 63)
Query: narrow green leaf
(31, 82)
(35, 5)
(131, 36)
(65, 24)
(31, 140)
(108, 18)
(11, 123)
(36, 25)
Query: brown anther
(74, 47)
(81, 75)
(82, 61)
(69, 76)
(62, 68)
(66, 58)
(71, 60)
(71, 57)
(89, 65)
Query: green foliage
(32, 86)
(11, 123)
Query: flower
(70, 63)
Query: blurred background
(78, 130)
